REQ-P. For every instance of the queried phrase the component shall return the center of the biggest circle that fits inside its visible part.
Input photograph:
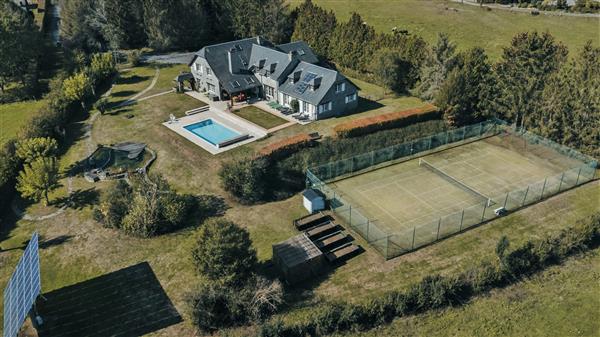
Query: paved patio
(228, 120)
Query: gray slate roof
(302, 50)
(247, 56)
(328, 78)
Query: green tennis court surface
(402, 196)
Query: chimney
(261, 63)
(316, 83)
(272, 67)
(296, 76)
(258, 40)
(230, 61)
(291, 55)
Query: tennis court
(422, 190)
(409, 195)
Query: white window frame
(351, 98)
(325, 107)
(208, 88)
(208, 71)
(342, 85)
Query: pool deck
(228, 120)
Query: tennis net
(455, 181)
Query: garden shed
(298, 259)
(313, 200)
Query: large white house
(281, 73)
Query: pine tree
(314, 26)
(350, 42)
(522, 73)
(436, 68)
(463, 96)
(125, 24)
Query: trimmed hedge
(286, 147)
(363, 126)
(435, 291)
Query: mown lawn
(561, 301)
(14, 115)
(166, 76)
(468, 26)
(259, 117)
(89, 250)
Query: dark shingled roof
(302, 50)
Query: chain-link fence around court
(391, 245)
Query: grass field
(86, 250)
(468, 26)
(14, 115)
(259, 117)
(561, 301)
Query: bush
(215, 307)
(363, 126)
(223, 253)
(246, 179)
(286, 147)
(135, 58)
(146, 209)
(31, 148)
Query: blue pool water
(211, 131)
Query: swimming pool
(212, 132)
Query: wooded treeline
(168, 25)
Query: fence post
(387, 246)
(367, 230)
(483, 214)
(413, 242)
(464, 130)
(525, 197)
(447, 137)
(462, 217)
(543, 188)
(438, 232)
(506, 199)
(350, 215)
(578, 173)
(561, 180)
(480, 129)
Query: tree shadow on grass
(124, 93)
(126, 302)
(365, 104)
(79, 199)
(43, 243)
(132, 79)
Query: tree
(125, 25)
(437, 66)
(77, 88)
(83, 24)
(21, 45)
(348, 41)
(32, 148)
(223, 252)
(114, 205)
(268, 18)
(570, 103)
(314, 26)
(38, 178)
(463, 96)
(390, 70)
(246, 179)
(521, 74)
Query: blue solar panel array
(23, 288)
(301, 88)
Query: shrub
(223, 252)
(135, 58)
(286, 147)
(32, 148)
(114, 205)
(215, 307)
(363, 126)
(295, 105)
(245, 179)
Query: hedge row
(434, 292)
(286, 147)
(362, 126)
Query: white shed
(313, 200)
